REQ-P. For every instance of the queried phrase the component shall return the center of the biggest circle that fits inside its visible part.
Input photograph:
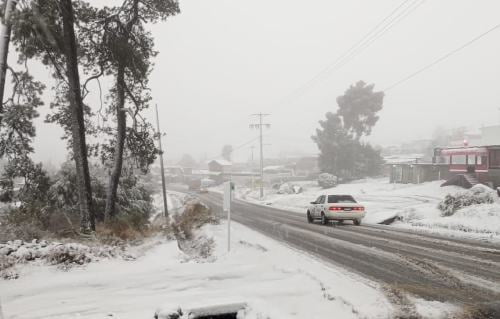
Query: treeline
(81, 44)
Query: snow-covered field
(416, 205)
(274, 280)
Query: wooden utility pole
(164, 188)
(6, 27)
(251, 169)
(259, 126)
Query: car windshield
(332, 199)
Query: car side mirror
(313, 202)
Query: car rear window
(340, 199)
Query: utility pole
(6, 27)
(251, 169)
(164, 189)
(260, 126)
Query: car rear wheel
(357, 222)
(309, 217)
(324, 221)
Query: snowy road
(428, 266)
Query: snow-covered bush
(56, 212)
(194, 215)
(297, 189)
(199, 248)
(326, 180)
(6, 262)
(285, 188)
(479, 194)
(169, 313)
(54, 253)
(68, 254)
(186, 225)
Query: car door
(315, 212)
(319, 205)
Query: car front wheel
(309, 218)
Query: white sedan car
(335, 207)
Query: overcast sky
(222, 60)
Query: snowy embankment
(412, 206)
(273, 280)
(64, 255)
(67, 254)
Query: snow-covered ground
(274, 280)
(416, 204)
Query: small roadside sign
(226, 206)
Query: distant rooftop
(221, 162)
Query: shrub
(53, 207)
(184, 226)
(478, 194)
(326, 180)
(199, 248)
(68, 254)
(194, 216)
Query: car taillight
(335, 208)
(359, 208)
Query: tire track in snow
(424, 265)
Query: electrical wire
(387, 23)
(442, 58)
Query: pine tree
(125, 51)
(342, 153)
(45, 29)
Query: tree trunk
(87, 218)
(10, 5)
(121, 124)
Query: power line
(382, 27)
(442, 58)
(398, 18)
(375, 33)
(235, 149)
(360, 42)
(394, 21)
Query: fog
(221, 61)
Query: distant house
(478, 164)
(220, 165)
(464, 166)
